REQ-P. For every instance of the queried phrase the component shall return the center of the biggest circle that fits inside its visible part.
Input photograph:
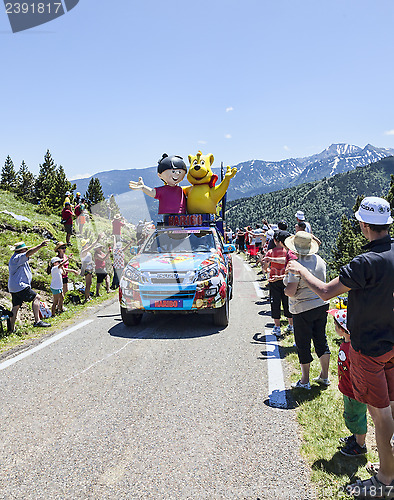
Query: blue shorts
(56, 291)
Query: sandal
(371, 488)
(372, 467)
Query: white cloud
(389, 132)
(286, 148)
(202, 142)
(228, 136)
(230, 108)
(80, 176)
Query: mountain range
(253, 176)
(324, 201)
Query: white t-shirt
(57, 278)
(258, 233)
(304, 299)
(87, 263)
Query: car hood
(167, 262)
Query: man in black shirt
(369, 279)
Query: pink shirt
(117, 225)
(172, 200)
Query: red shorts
(372, 378)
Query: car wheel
(130, 318)
(221, 315)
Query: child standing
(57, 284)
(355, 413)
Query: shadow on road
(283, 400)
(170, 326)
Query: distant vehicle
(179, 269)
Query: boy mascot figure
(172, 200)
(203, 195)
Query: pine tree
(60, 186)
(8, 176)
(390, 194)
(25, 183)
(95, 197)
(346, 246)
(390, 199)
(46, 177)
(113, 206)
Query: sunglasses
(63, 248)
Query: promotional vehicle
(179, 269)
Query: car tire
(221, 315)
(130, 318)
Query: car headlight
(132, 273)
(206, 273)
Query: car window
(180, 242)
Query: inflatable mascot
(172, 199)
(203, 195)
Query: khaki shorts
(372, 378)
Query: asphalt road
(172, 409)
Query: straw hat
(59, 244)
(302, 243)
(21, 245)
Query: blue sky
(114, 84)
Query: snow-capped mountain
(257, 176)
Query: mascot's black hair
(169, 162)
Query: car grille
(167, 294)
(169, 278)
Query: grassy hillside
(324, 202)
(33, 232)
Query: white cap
(374, 210)
(55, 259)
(300, 215)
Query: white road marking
(259, 291)
(46, 343)
(101, 360)
(276, 384)
(140, 336)
(247, 267)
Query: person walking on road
(19, 282)
(369, 279)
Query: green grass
(320, 414)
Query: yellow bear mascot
(203, 195)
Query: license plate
(167, 303)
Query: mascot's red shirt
(172, 200)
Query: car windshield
(180, 241)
